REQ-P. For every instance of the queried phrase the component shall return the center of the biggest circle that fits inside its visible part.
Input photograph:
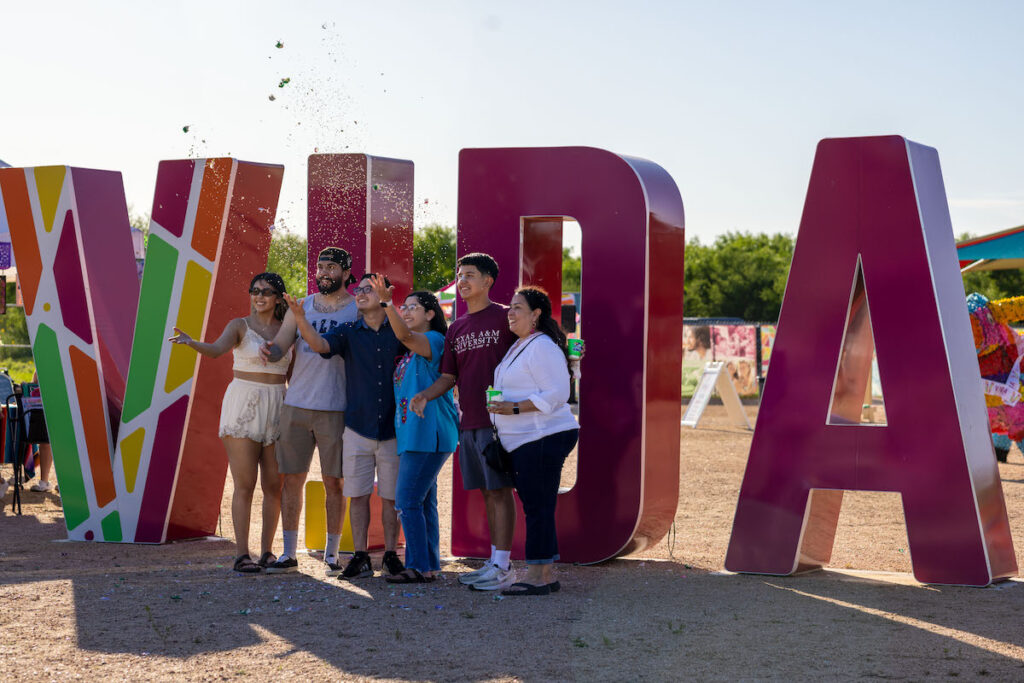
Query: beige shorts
(302, 430)
(252, 410)
(362, 457)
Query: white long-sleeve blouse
(538, 374)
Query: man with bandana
(313, 413)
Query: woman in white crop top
(251, 412)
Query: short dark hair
(387, 282)
(483, 262)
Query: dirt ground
(177, 612)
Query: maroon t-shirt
(473, 347)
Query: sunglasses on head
(263, 291)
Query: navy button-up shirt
(370, 358)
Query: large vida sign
(133, 422)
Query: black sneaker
(332, 565)
(285, 565)
(359, 567)
(391, 564)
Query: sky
(730, 98)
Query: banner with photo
(696, 352)
(736, 346)
(767, 342)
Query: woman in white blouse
(536, 427)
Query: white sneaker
(472, 577)
(495, 580)
(42, 486)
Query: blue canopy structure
(999, 251)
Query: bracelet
(515, 408)
(383, 304)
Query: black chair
(16, 429)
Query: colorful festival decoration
(132, 423)
(1000, 349)
(511, 204)
(876, 230)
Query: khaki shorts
(362, 457)
(302, 430)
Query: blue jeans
(416, 502)
(538, 471)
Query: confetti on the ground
(184, 129)
(279, 45)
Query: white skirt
(252, 410)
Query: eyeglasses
(263, 291)
(363, 290)
(409, 307)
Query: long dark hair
(537, 298)
(429, 302)
(277, 282)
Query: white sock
(291, 542)
(490, 560)
(503, 558)
(333, 542)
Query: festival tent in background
(1001, 250)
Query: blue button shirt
(370, 359)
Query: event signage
(875, 213)
(132, 419)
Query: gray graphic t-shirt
(319, 383)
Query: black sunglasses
(264, 291)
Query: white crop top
(248, 359)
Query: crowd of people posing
(371, 389)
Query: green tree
(287, 258)
(433, 253)
(740, 275)
(994, 284)
(571, 271)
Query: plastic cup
(575, 349)
(493, 395)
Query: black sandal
(245, 565)
(266, 558)
(405, 577)
(529, 589)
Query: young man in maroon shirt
(474, 345)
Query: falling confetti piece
(284, 82)
(279, 45)
(426, 201)
(316, 150)
(184, 129)
(375, 187)
(271, 98)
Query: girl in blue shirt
(424, 443)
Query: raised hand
(294, 306)
(179, 337)
(385, 293)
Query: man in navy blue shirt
(370, 349)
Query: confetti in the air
(284, 82)
(271, 98)
(184, 129)
(279, 45)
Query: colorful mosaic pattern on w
(108, 377)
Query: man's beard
(328, 289)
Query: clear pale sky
(729, 97)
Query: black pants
(538, 471)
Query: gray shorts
(475, 472)
(302, 430)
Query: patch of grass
(579, 642)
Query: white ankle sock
(333, 541)
(490, 560)
(503, 558)
(291, 542)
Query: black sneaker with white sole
(332, 565)
(390, 564)
(284, 565)
(359, 567)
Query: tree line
(739, 275)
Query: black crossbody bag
(495, 455)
